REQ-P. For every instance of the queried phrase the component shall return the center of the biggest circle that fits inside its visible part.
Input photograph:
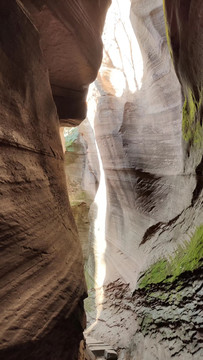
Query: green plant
(70, 136)
(167, 31)
(191, 128)
(187, 258)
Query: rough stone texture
(70, 37)
(41, 268)
(100, 349)
(173, 314)
(149, 199)
(162, 322)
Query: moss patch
(159, 295)
(156, 273)
(187, 258)
(89, 280)
(191, 128)
(167, 31)
(191, 123)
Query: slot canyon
(101, 179)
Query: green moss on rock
(167, 31)
(191, 128)
(146, 323)
(89, 280)
(159, 295)
(190, 257)
(191, 123)
(187, 258)
(156, 273)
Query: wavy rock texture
(138, 132)
(148, 172)
(149, 199)
(70, 37)
(41, 268)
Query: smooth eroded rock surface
(70, 37)
(146, 229)
(41, 269)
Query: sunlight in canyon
(121, 50)
(121, 71)
(101, 204)
(101, 191)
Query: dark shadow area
(199, 185)
(60, 343)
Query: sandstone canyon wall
(41, 267)
(139, 152)
(146, 221)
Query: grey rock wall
(139, 137)
(152, 176)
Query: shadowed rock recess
(133, 170)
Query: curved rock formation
(145, 249)
(70, 37)
(138, 131)
(41, 267)
(152, 181)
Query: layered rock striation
(140, 150)
(40, 292)
(41, 266)
(147, 228)
(137, 124)
(70, 37)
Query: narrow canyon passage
(101, 179)
(132, 196)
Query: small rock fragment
(110, 354)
